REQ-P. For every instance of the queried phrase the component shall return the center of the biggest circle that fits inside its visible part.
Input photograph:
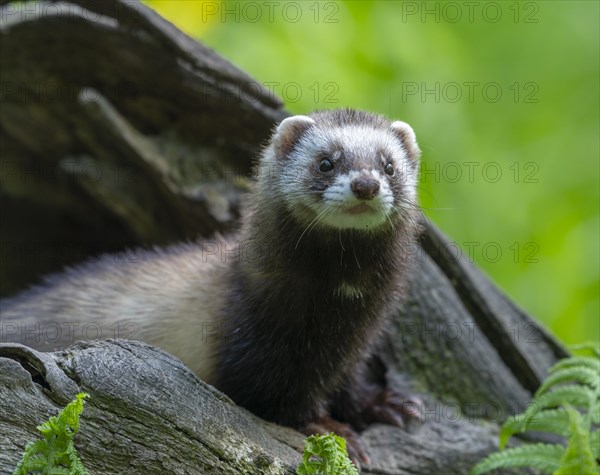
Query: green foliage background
(541, 134)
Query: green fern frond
(555, 421)
(61, 471)
(544, 457)
(578, 458)
(573, 394)
(55, 453)
(325, 455)
(580, 374)
(33, 463)
(553, 410)
(584, 361)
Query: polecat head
(345, 169)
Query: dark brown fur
(298, 340)
(294, 341)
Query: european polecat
(282, 316)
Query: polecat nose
(365, 187)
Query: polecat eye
(389, 169)
(326, 165)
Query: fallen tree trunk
(119, 129)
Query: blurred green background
(503, 96)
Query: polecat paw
(394, 408)
(357, 451)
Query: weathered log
(150, 141)
(117, 130)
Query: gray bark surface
(151, 142)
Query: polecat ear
(407, 135)
(288, 133)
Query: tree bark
(118, 128)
